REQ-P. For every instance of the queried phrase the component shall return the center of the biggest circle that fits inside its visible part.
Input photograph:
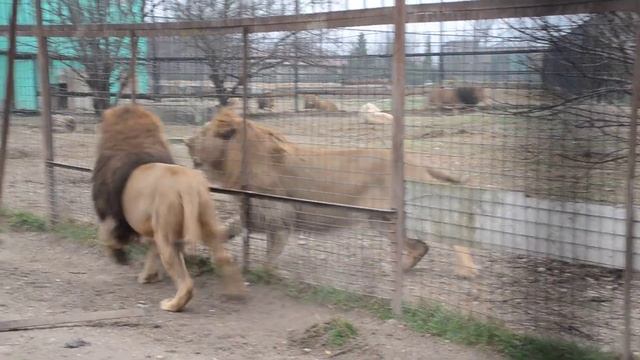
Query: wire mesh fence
(516, 149)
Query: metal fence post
(296, 69)
(246, 201)
(132, 66)
(631, 173)
(8, 98)
(47, 121)
(398, 150)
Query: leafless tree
(586, 75)
(267, 51)
(96, 60)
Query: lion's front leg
(276, 241)
(214, 237)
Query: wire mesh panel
(533, 113)
(303, 138)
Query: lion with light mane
(359, 177)
(138, 192)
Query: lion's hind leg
(173, 261)
(465, 266)
(151, 272)
(276, 241)
(115, 247)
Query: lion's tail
(443, 176)
(191, 226)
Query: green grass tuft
(82, 232)
(25, 221)
(199, 265)
(261, 276)
(340, 332)
(463, 329)
(342, 299)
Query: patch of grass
(84, 233)
(136, 250)
(538, 348)
(261, 276)
(81, 232)
(437, 320)
(336, 334)
(340, 332)
(464, 329)
(459, 328)
(25, 221)
(199, 265)
(341, 299)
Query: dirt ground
(44, 275)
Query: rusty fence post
(630, 228)
(47, 121)
(398, 151)
(296, 65)
(246, 201)
(8, 95)
(132, 66)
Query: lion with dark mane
(139, 193)
(359, 177)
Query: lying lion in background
(372, 115)
(360, 177)
(266, 102)
(457, 97)
(139, 192)
(314, 102)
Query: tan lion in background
(314, 102)
(266, 102)
(139, 193)
(358, 177)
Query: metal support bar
(450, 11)
(629, 236)
(47, 121)
(8, 98)
(397, 184)
(258, 195)
(246, 201)
(132, 66)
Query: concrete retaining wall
(577, 231)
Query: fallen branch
(66, 319)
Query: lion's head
(217, 147)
